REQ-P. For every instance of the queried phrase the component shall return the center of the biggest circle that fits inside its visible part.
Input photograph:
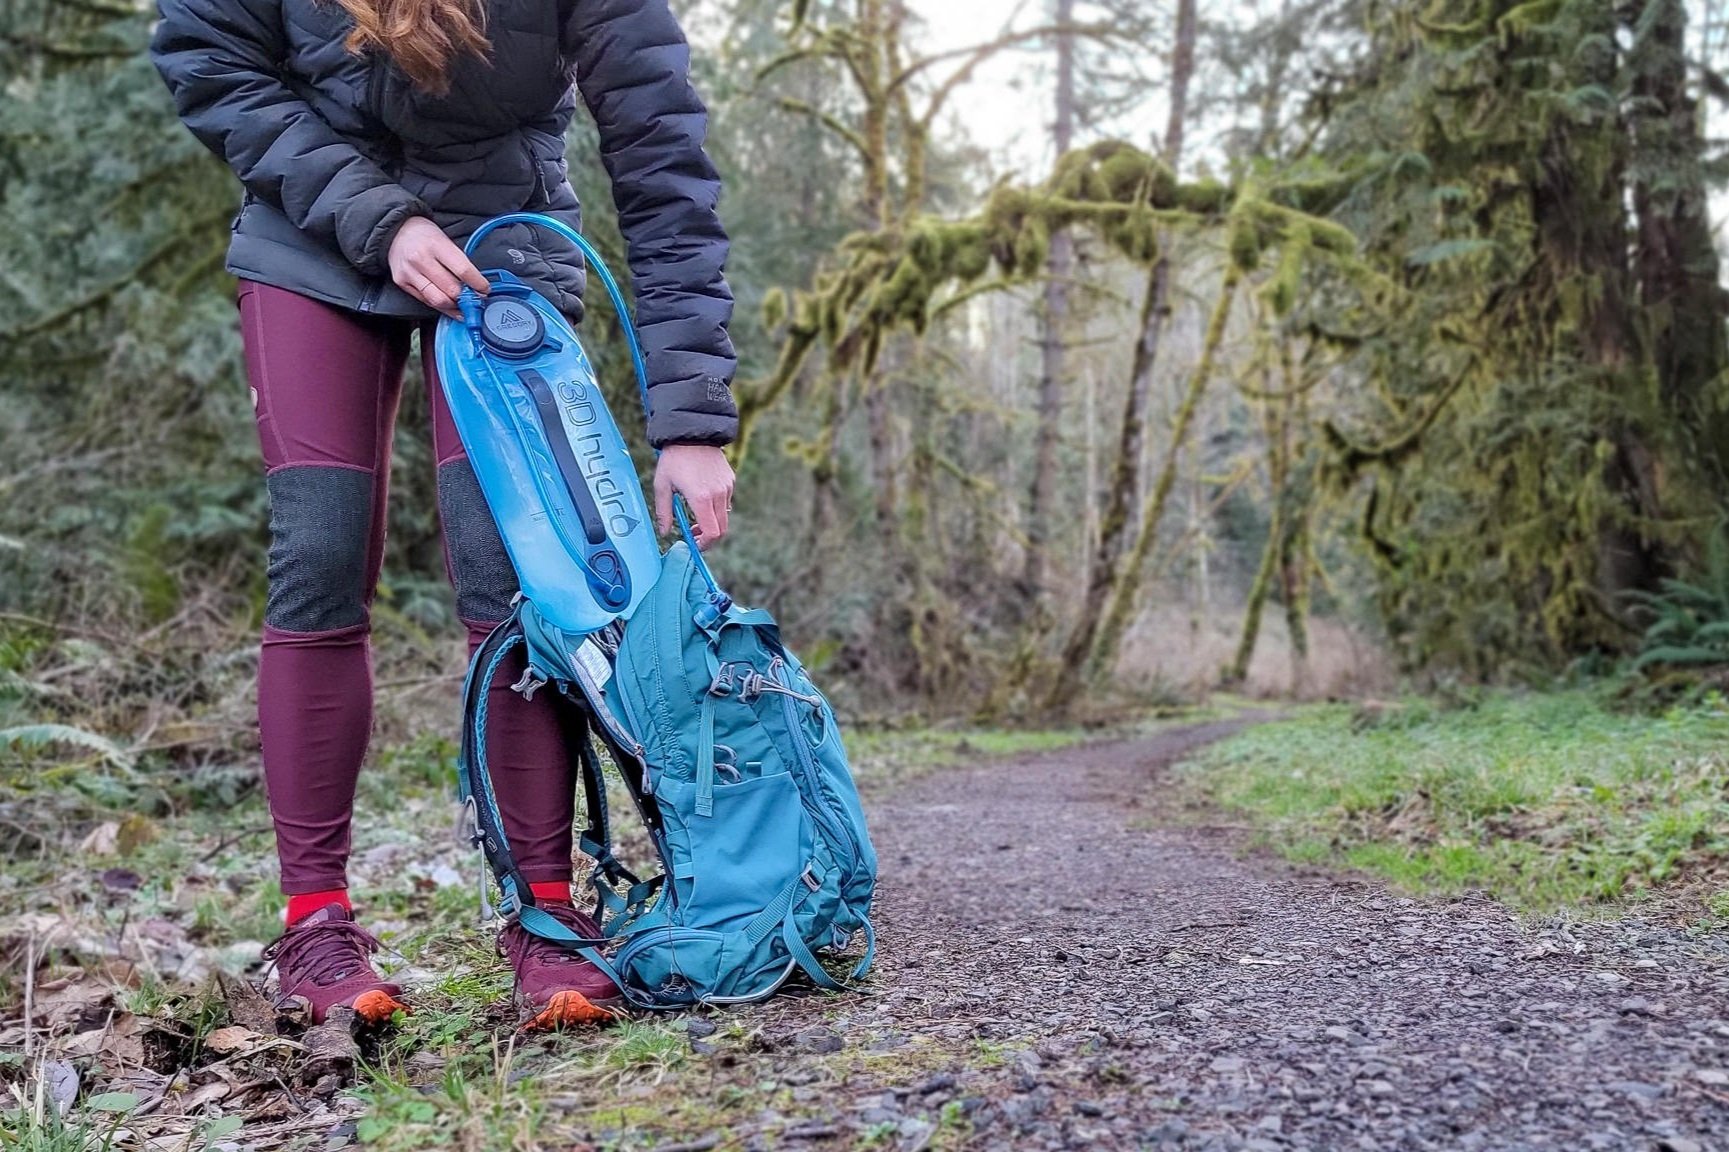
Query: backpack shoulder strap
(481, 801)
(474, 774)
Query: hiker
(371, 137)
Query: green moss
(1244, 241)
(774, 307)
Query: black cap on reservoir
(511, 327)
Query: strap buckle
(530, 682)
(509, 903)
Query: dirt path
(1126, 981)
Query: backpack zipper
(818, 806)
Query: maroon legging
(325, 386)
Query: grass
(454, 1073)
(887, 757)
(1545, 800)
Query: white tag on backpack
(594, 662)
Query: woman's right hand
(427, 264)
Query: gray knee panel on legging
(320, 538)
(479, 566)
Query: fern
(34, 736)
(1690, 618)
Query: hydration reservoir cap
(511, 327)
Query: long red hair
(421, 36)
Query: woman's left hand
(701, 475)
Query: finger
(662, 503)
(708, 523)
(723, 510)
(441, 291)
(441, 278)
(465, 270)
(440, 302)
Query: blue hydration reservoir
(552, 464)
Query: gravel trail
(1120, 978)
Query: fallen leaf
(175, 1141)
(61, 1081)
(166, 933)
(102, 840)
(275, 1106)
(83, 1044)
(77, 1001)
(234, 1038)
(118, 1044)
(204, 1094)
(247, 1006)
(56, 934)
(121, 880)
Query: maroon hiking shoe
(555, 987)
(325, 960)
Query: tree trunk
(1675, 259)
(1201, 593)
(1125, 475)
(879, 423)
(1294, 591)
(1053, 352)
(1128, 588)
(1275, 426)
(1081, 658)
(1251, 634)
(1090, 533)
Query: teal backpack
(732, 755)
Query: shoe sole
(377, 1006)
(571, 1009)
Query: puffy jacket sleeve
(222, 60)
(633, 71)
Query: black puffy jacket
(335, 151)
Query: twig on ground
(29, 989)
(811, 1132)
(289, 1092)
(228, 842)
(70, 629)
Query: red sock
(304, 904)
(556, 891)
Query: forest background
(1099, 359)
(1312, 347)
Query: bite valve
(472, 305)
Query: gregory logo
(509, 318)
(590, 447)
